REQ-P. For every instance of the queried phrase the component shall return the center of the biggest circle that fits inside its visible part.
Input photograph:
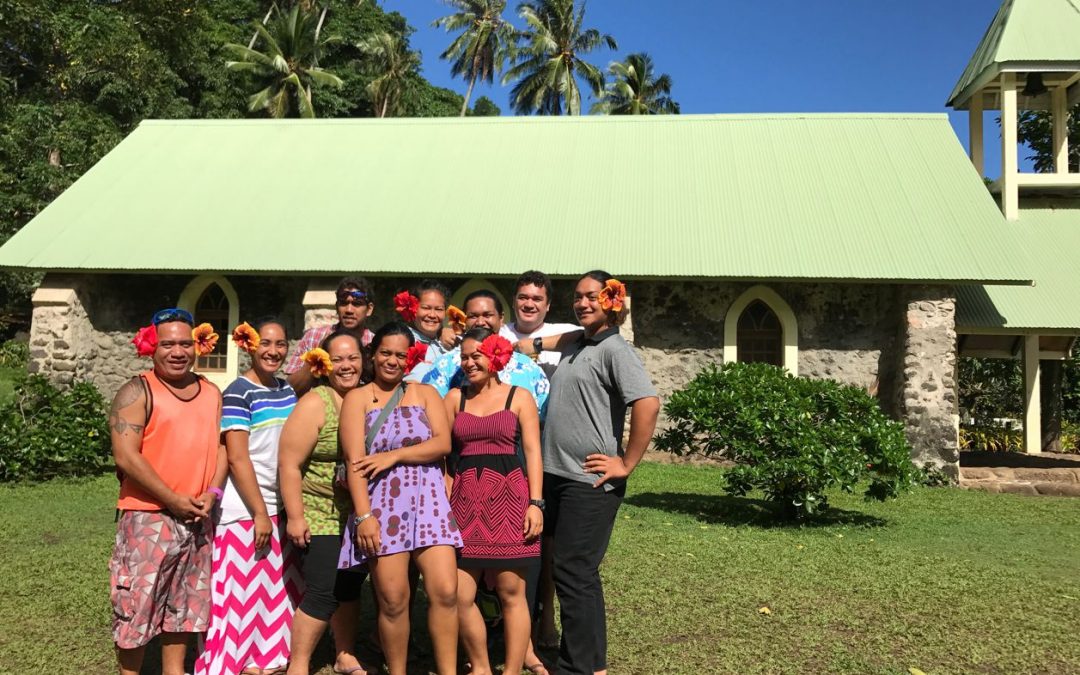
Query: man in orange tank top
(164, 425)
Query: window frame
(788, 325)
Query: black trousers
(580, 517)
(327, 586)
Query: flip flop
(537, 668)
(353, 669)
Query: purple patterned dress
(409, 500)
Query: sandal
(538, 668)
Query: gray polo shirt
(590, 391)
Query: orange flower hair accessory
(612, 296)
(498, 351)
(407, 305)
(415, 356)
(319, 362)
(145, 340)
(245, 337)
(205, 339)
(456, 317)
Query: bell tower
(1028, 60)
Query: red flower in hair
(498, 351)
(145, 340)
(613, 296)
(407, 305)
(415, 356)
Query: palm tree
(549, 63)
(483, 45)
(288, 66)
(391, 62)
(636, 89)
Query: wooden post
(1032, 396)
(975, 131)
(1060, 116)
(1051, 375)
(1010, 195)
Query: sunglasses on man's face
(173, 314)
(354, 298)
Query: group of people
(444, 446)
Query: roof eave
(959, 101)
(466, 273)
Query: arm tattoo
(120, 425)
(131, 392)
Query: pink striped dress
(253, 593)
(490, 492)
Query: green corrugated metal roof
(869, 197)
(1052, 229)
(1022, 32)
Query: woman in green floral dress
(316, 506)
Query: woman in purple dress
(496, 495)
(395, 436)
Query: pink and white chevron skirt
(254, 595)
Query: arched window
(213, 307)
(760, 338)
(212, 299)
(760, 328)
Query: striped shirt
(261, 412)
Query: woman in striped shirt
(254, 586)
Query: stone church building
(859, 247)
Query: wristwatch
(538, 503)
(538, 346)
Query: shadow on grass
(745, 511)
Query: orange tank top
(180, 442)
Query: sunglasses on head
(173, 314)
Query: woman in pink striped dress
(254, 583)
(496, 495)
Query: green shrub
(991, 438)
(932, 476)
(793, 438)
(14, 354)
(46, 432)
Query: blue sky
(731, 56)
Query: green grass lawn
(942, 580)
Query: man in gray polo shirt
(585, 465)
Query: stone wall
(844, 329)
(926, 390)
(100, 314)
(897, 342)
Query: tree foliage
(285, 64)
(636, 89)
(990, 389)
(390, 63)
(485, 107)
(484, 43)
(1035, 128)
(550, 58)
(76, 76)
